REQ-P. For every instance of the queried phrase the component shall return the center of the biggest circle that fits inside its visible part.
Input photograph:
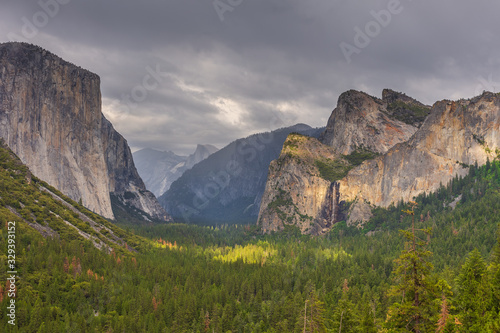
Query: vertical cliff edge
(302, 187)
(50, 116)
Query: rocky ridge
(401, 107)
(50, 116)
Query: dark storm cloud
(218, 80)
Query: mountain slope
(36, 206)
(401, 107)
(160, 169)
(227, 187)
(50, 116)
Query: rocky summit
(50, 116)
(364, 121)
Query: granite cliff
(301, 189)
(304, 183)
(454, 135)
(414, 149)
(364, 121)
(50, 116)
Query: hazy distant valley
(160, 169)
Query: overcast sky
(177, 73)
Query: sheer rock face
(50, 116)
(453, 135)
(360, 120)
(296, 193)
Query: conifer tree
(367, 314)
(444, 316)
(416, 310)
(495, 283)
(447, 323)
(36, 315)
(474, 298)
(312, 319)
(344, 317)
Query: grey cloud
(267, 59)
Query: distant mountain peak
(159, 169)
(202, 152)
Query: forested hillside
(234, 279)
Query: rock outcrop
(363, 121)
(454, 135)
(301, 189)
(304, 186)
(50, 116)
(401, 107)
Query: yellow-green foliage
(332, 170)
(249, 254)
(293, 146)
(332, 254)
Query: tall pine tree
(474, 294)
(416, 310)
